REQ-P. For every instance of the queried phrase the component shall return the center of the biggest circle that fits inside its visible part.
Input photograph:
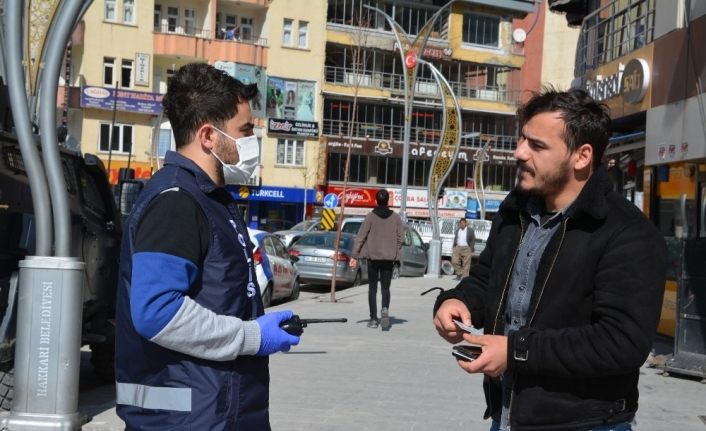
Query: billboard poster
(275, 97)
(305, 101)
(290, 103)
(247, 74)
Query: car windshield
(304, 225)
(351, 227)
(326, 241)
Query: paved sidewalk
(345, 376)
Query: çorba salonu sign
(631, 81)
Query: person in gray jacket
(379, 240)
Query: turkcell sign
(272, 194)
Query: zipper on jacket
(509, 273)
(534, 312)
(549, 273)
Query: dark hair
(198, 94)
(585, 120)
(462, 219)
(382, 197)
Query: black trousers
(379, 270)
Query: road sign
(328, 218)
(331, 200)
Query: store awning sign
(127, 100)
(292, 127)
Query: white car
(277, 276)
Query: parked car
(413, 255)
(289, 236)
(276, 274)
(316, 256)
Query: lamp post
(410, 51)
(443, 161)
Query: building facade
(363, 95)
(645, 60)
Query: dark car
(413, 254)
(317, 257)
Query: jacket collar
(202, 179)
(590, 201)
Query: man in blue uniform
(192, 339)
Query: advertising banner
(127, 100)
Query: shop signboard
(127, 101)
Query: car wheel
(267, 296)
(295, 290)
(396, 271)
(7, 386)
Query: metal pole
(112, 127)
(23, 126)
(49, 307)
(56, 45)
(415, 49)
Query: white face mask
(249, 155)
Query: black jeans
(379, 270)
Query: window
(287, 32)
(129, 11)
(189, 20)
(481, 30)
(172, 18)
(158, 17)
(303, 34)
(164, 142)
(126, 74)
(290, 152)
(108, 71)
(123, 138)
(109, 10)
(245, 30)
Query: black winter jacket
(592, 317)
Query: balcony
(612, 31)
(205, 44)
(424, 87)
(422, 135)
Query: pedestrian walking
(192, 338)
(379, 240)
(464, 241)
(569, 287)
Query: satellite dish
(519, 35)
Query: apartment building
(123, 54)
(472, 45)
(292, 105)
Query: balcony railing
(424, 87)
(207, 34)
(422, 135)
(613, 31)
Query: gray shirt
(539, 231)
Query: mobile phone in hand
(467, 352)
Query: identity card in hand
(465, 327)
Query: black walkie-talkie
(295, 325)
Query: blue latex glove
(272, 337)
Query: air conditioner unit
(488, 94)
(359, 79)
(426, 88)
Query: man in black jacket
(569, 287)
